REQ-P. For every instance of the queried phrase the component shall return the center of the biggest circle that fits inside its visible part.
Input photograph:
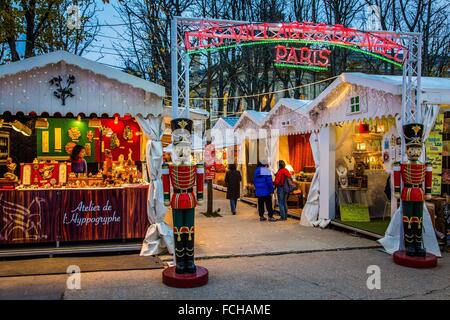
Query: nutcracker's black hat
(181, 123)
(413, 134)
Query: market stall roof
(296, 105)
(375, 96)
(249, 124)
(255, 117)
(231, 121)
(98, 89)
(434, 90)
(83, 63)
(289, 116)
(226, 123)
(222, 133)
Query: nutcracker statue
(414, 176)
(185, 178)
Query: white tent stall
(288, 119)
(366, 100)
(251, 138)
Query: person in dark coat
(262, 179)
(233, 184)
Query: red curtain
(300, 152)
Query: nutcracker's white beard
(181, 154)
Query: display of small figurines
(350, 162)
(341, 171)
(74, 133)
(127, 133)
(119, 166)
(359, 169)
(90, 135)
(11, 166)
(114, 142)
(108, 163)
(107, 131)
(87, 148)
(130, 161)
(46, 172)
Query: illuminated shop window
(354, 105)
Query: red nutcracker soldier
(414, 175)
(187, 180)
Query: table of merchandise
(65, 215)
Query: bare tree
(42, 26)
(146, 48)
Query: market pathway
(244, 235)
(317, 275)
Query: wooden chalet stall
(49, 104)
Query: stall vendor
(79, 165)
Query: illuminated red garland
(385, 44)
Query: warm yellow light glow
(341, 96)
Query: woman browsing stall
(79, 164)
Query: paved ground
(243, 234)
(320, 275)
(248, 259)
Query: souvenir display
(74, 133)
(45, 142)
(4, 146)
(11, 166)
(115, 142)
(127, 133)
(106, 131)
(46, 172)
(417, 183)
(69, 146)
(107, 164)
(350, 162)
(342, 174)
(90, 135)
(40, 173)
(58, 141)
(87, 149)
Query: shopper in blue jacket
(262, 179)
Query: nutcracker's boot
(189, 258)
(409, 237)
(180, 251)
(417, 231)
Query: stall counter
(66, 215)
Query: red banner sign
(29, 216)
(210, 162)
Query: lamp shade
(41, 123)
(95, 123)
(20, 127)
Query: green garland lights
(300, 66)
(272, 41)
